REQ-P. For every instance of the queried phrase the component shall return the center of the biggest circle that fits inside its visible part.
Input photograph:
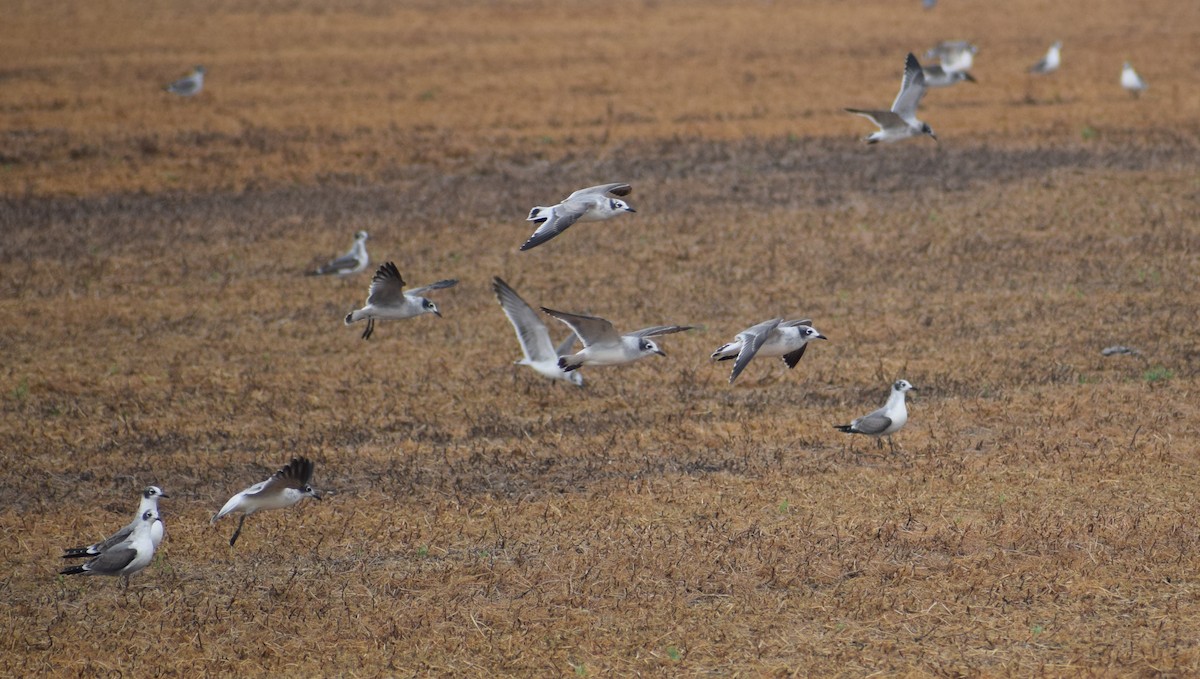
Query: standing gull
(387, 299)
(540, 353)
(149, 501)
(603, 345)
(1131, 81)
(776, 337)
(353, 261)
(592, 204)
(189, 85)
(883, 422)
(285, 488)
(1050, 62)
(125, 557)
(901, 121)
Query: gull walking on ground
(901, 121)
(148, 502)
(387, 299)
(883, 422)
(189, 85)
(603, 345)
(592, 204)
(776, 337)
(1050, 62)
(126, 557)
(353, 261)
(285, 488)
(540, 352)
(1131, 81)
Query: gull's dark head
(647, 346)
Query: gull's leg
(237, 532)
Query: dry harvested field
(1038, 517)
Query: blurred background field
(1039, 517)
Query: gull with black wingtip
(900, 122)
(603, 345)
(540, 352)
(285, 488)
(126, 557)
(387, 299)
(149, 501)
(776, 337)
(883, 422)
(592, 204)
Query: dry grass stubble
(1040, 517)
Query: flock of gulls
(955, 59)
(132, 548)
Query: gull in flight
(887, 420)
(189, 85)
(540, 353)
(1131, 81)
(776, 337)
(585, 205)
(1050, 62)
(125, 557)
(149, 502)
(954, 55)
(285, 488)
(353, 261)
(387, 299)
(938, 76)
(603, 345)
(901, 121)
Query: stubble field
(1038, 517)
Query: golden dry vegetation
(1038, 518)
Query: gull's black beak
(970, 77)
(629, 209)
(821, 337)
(660, 352)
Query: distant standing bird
(149, 501)
(883, 422)
(387, 300)
(353, 261)
(189, 85)
(901, 121)
(603, 345)
(1131, 81)
(126, 557)
(938, 76)
(776, 337)
(1050, 62)
(540, 352)
(285, 488)
(592, 204)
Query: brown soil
(1038, 516)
